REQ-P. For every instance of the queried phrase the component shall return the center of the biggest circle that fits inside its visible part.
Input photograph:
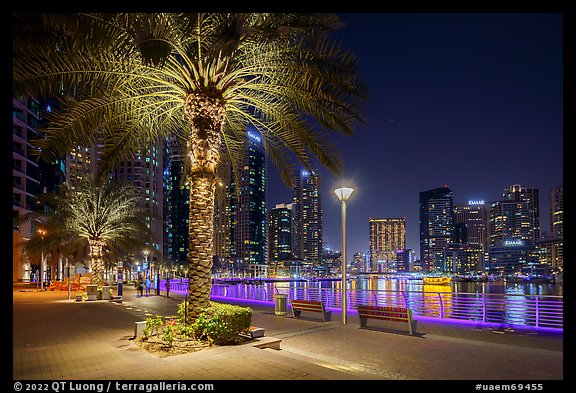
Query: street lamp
(343, 194)
(42, 233)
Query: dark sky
(472, 101)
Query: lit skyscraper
(387, 236)
(473, 215)
(530, 196)
(176, 204)
(556, 220)
(145, 173)
(280, 233)
(248, 209)
(436, 226)
(307, 228)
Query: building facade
(307, 214)
(280, 233)
(436, 226)
(387, 236)
(248, 246)
(176, 205)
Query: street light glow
(343, 193)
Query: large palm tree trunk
(206, 116)
(200, 244)
(96, 261)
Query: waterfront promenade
(59, 339)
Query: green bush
(153, 325)
(222, 323)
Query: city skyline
(471, 101)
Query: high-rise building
(176, 205)
(556, 206)
(145, 173)
(551, 249)
(530, 196)
(280, 233)
(31, 177)
(473, 216)
(25, 183)
(387, 236)
(514, 230)
(248, 246)
(307, 228)
(436, 226)
(516, 216)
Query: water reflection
(523, 303)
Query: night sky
(472, 101)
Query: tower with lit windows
(387, 236)
(436, 226)
(307, 213)
(248, 227)
(280, 233)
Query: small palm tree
(98, 212)
(131, 80)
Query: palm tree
(132, 80)
(96, 211)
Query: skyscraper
(145, 173)
(530, 196)
(473, 215)
(31, 177)
(387, 236)
(248, 209)
(436, 226)
(176, 204)
(280, 233)
(307, 234)
(556, 206)
(25, 182)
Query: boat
(439, 280)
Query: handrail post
(537, 312)
(484, 307)
(405, 299)
(441, 305)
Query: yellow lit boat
(437, 280)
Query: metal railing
(542, 311)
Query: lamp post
(42, 233)
(343, 194)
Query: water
(405, 284)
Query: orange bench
(309, 305)
(392, 314)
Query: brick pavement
(59, 339)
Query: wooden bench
(309, 305)
(392, 314)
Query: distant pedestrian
(167, 287)
(140, 285)
(147, 286)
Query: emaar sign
(476, 202)
(254, 136)
(513, 243)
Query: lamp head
(343, 193)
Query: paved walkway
(59, 339)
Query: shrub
(152, 326)
(223, 323)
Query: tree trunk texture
(206, 117)
(96, 261)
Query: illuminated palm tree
(135, 79)
(98, 212)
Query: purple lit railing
(542, 311)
